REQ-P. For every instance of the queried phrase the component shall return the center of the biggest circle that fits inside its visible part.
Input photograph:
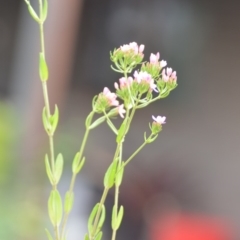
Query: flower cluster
(137, 90)
(127, 57)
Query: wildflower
(125, 82)
(168, 75)
(154, 58)
(121, 110)
(111, 97)
(145, 78)
(159, 120)
(133, 46)
(163, 63)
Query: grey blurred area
(195, 160)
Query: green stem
(65, 217)
(116, 197)
(47, 106)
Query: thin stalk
(65, 217)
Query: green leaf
(46, 123)
(92, 217)
(77, 164)
(58, 168)
(55, 207)
(32, 12)
(68, 204)
(89, 119)
(43, 68)
(119, 175)
(86, 237)
(119, 217)
(44, 10)
(97, 122)
(49, 235)
(109, 177)
(114, 217)
(54, 119)
(121, 131)
(99, 236)
(48, 170)
(101, 220)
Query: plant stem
(65, 217)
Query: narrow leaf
(33, 13)
(86, 237)
(55, 207)
(99, 236)
(92, 217)
(49, 235)
(48, 170)
(119, 217)
(119, 175)
(114, 217)
(102, 219)
(75, 162)
(46, 123)
(97, 122)
(109, 177)
(68, 204)
(58, 168)
(54, 119)
(45, 10)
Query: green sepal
(110, 175)
(46, 123)
(121, 131)
(55, 207)
(86, 237)
(77, 163)
(97, 122)
(48, 234)
(48, 170)
(92, 217)
(58, 168)
(43, 68)
(54, 119)
(68, 203)
(32, 12)
(119, 174)
(44, 10)
(99, 236)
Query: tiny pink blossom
(160, 120)
(154, 58)
(163, 63)
(169, 71)
(111, 97)
(116, 85)
(141, 48)
(133, 46)
(125, 82)
(121, 110)
(144, 77)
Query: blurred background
(186, 183)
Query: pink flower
(144, 77)
(111, 97)
(163, 64)
(160, 120)
(125, 82)
(133, 46)
(168, 75)
(121, 110)
(154, 58)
